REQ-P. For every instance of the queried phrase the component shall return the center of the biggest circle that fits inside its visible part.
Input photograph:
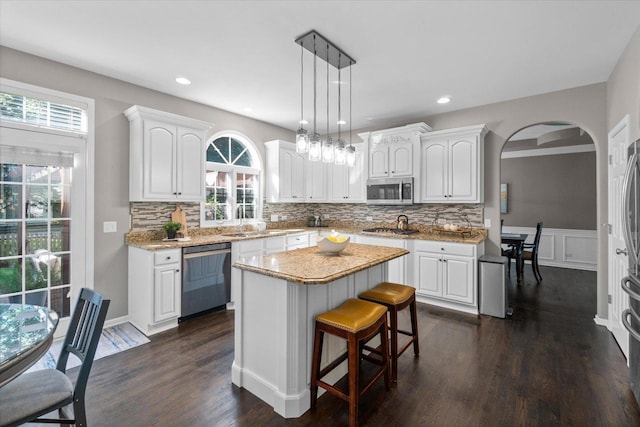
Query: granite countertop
(152, 240)
(310, 266)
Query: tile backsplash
(147, 216)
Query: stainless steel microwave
(390, 191)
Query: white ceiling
(241, 54)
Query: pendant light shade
(339, 153)
(350, 155)
(327, 150)
(315, 148)
(302, 141)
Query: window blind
(42, 113)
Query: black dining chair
(34, 394)
(509, 252)
(530, 253)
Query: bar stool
(396, 297)
(357, 321)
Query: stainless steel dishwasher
(206, 278)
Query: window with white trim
(46, 161)
(232, 182)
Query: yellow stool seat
(353, 315)
(387, 292)
(396, 297)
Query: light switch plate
(274, 218)
(109, 227)
(487, 223)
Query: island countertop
(310, 266)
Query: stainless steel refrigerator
(631, 283)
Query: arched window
(232, 181)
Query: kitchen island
(276, 302)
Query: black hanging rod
(336, 57)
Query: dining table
(516, 241)
(26, 333)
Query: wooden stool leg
(354, 377)
(393, 316)
(414, 327)
(315, 366)
(384, 341)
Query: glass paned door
(35, 245)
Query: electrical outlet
(284, 217)
(325, 216)
(274, 218)
(487, 223)
(369, 218)
(109, 227)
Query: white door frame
(618, 142)
(82, 206)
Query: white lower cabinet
(297, 241)
(446, 274)
(155, 287)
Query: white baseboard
(115, 321)
(600, 321)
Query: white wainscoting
(564, 248)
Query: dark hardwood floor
(547, 365)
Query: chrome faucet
(318, 219)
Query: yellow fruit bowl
(332, 243)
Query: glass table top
(22, 328)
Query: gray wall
(112, 97)
(559, 190)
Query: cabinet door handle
(168, 258)
(177, 270)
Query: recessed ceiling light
(304, 122)
(183, 81)
(247, 109)
(443, 100)
(341, 122)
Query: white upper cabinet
(167, 156)
(316, 180)
(285, 172)
(392, 152)
(452, 165)
(347, 184)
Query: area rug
(113, 340)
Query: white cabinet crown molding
(397, 134)
(138, 111)
(480, 129)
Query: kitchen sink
(242, 234)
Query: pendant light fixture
(302, 138)
(350, 151)
(315, 145)
(327, 145)
(339, 154)
(326, 150)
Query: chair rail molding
(565, 248)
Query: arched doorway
(548, 170)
